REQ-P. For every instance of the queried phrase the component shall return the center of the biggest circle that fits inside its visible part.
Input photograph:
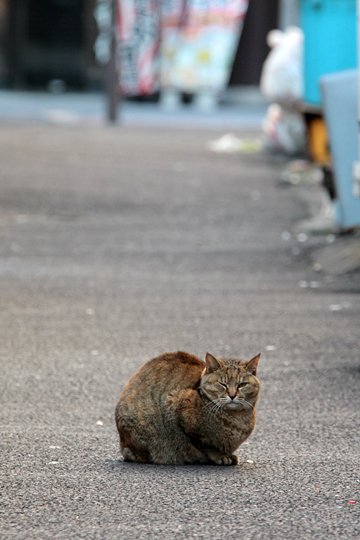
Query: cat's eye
(242, 384)
(223, 385)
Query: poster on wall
(201, 54)
(186, 45)
(139, 31)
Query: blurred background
(230, 64)
(43, 40)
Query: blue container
(330, 42)
(339, 92)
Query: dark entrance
(262, 16)
(49, 42)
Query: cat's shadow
(119, 465)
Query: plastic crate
(330, 42)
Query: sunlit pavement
(118, 244)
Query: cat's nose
(232, 396)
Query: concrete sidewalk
(244, 110)
(118, 244)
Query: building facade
(46, 40)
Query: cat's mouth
(235, 405)
(238, 405)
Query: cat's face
(230, 384)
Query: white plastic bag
(284, 130)
(282, 74)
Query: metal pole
(289, 13)
(112, 82)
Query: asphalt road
(119, 244)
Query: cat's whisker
(245, 402)
(213, 406)
(221, 404)
(218, 405)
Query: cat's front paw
(229, 460)
(128, 455)
(220, 459)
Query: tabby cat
(179, 410)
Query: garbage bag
(282, 74)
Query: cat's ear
(252, 364)
(211, 363)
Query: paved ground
(117, 245)
(241, 110)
